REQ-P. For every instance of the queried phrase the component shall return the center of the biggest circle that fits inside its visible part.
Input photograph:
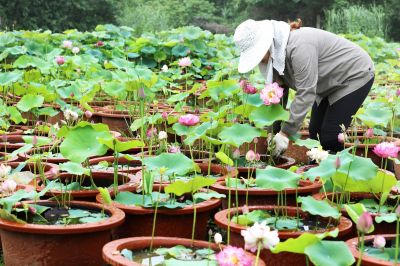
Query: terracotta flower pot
(170, 222)
(283, 258)
(100, 179)
(78, 244)
(119, 121)
(13, 142)
(5, 159)
(41, 170)
(368, 260)
(380, 228)
(258, 196)
(112, 256)
(28, 155)
(198, 156)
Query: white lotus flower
(8, 186)
(164, 68)
(317, 154)
(75, 50)
(162, 135)
(70, 115)
(4, 170)
(259, 234)
(218, 238)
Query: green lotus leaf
(121, 146)
(329, 253)
(266, 115)
(276, 178)
(318, 207)
(175, 163)
(7, 78)
(30, 101)
(74, 168)
(238, 134)
(179, 187)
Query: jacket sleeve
(304, 60)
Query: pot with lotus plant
(180, 209)
(8, 157)
(84, 186)
(290, 222)
(104, 164)
(265, 188)
(28, 173)
(137, 251)
(378, 249)
(11, 143)
(63, 229)
(49, 154)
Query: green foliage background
(371, 17)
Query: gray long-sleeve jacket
(321, 64)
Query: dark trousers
(326, 119)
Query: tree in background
(57, 15)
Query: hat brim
(252, 57)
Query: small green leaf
(30, 101)
(179, 187)
(224, 158)
(318, 207)
(329, 253)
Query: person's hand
(281, 142)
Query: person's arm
(305, 67)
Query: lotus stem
(361, 250)
(396, 253)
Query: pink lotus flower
(174, 149)
(100, 44)
(369, 133)
(398, 92)
(271, 94)
(189, 120)
(67, 44)
(379, 242)
(337, 163)
(164, 115)
(364, 223)
(236, 154)
(184, 62)
(386, 150)
(233, 256)
(88, 114)
(247, 87)
(60, 60)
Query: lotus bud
(32, 209)
(164, 115)
(4, 137)
(100, 44)
(34, 140)
(60, 60)
(88, 114)
(218, 238)
(164, 68)
(162, 135)
(364, 223)
(250, 156)
(142, 94)
(379, 242)
(151, 132)
(341, 137)
(67, 44)
(255, 140)
(398, 92)
(369, 133)
(337, 163)
(245, 209)
(236, 154)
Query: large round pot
(119, 121)
(283, 258)
(258, 196)
(360, 149)
(368, 260)
(47, 245)
(198, 156)
(5, 158)
(41, 170)
(170, 222)
(380, 228)
(12, 143)
(112, 256)
(298, 153)
(99, 178)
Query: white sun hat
(253, 38)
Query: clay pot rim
(12, 160)
(221, 219)
(305, 168)
(289, 162)
(89, 193)
(352, 244)
(143, 242)
(220, 187)
(203, 206)
(27, 155)
(116, 219)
